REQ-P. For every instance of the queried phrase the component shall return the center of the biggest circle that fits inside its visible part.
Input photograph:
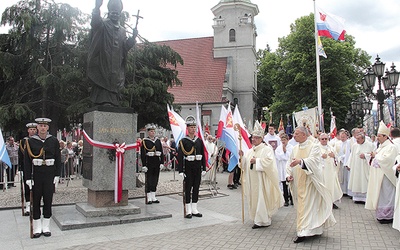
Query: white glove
(182, 175)
(56, 179)
(203, 173)
(161, 166)
(144, 169)
(30, 183)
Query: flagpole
(318, 69)
(237, 128)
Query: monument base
(89, 211)
(105, 198)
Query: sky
(374, 24)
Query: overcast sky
(374, 24)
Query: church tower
(235, 39)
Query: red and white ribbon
(119, 160)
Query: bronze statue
(107, 55)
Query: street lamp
(390, 81)
(368, 83)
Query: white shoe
(27, 208)
(195, 212)
(37, 228)
(46, 227)
(188, 210)
(153, 197)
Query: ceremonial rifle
(237, 128)
(22, 192)
(21, 179)
(183, 189)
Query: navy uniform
(42, 160)
(152, 157)
(22, 146)
(191, 166)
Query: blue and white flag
(3, 151)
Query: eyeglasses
(324, 139)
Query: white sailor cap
(42, 120)
(150, 127)
(31, 125)
(190, 121)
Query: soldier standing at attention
(22, 146)
(191, 166)
(42, 162)
(152, 157)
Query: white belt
(40, 162)
(194, 157)
(157, 153)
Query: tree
(291, 71)
(42, 71)
(150, 74)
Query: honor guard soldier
(32, 130)
(191, 166)
(152, 157)
(42, 162)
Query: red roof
(201, 74)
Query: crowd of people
(313, 173)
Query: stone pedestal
(109, 125)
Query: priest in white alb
(260, 180)
(382, 182)
(330, 169)
(312, 200)
(358, 163)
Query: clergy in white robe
(330, 168)
(312, 199)
(271, 138)
(358, 163)
(282, 154)
(382, 182)
(260, 180)
(212, 151)
(396, 216)
(343, 152)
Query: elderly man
(358, 163)
(330, 169)
(312, 199)
(382, 182)
(261, 180)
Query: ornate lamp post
(369, 82)
(390, 81)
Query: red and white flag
(201, 135)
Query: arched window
(232, 35)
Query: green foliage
(150, 73)
(287, 80)
(43, 68)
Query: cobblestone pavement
(220, 228)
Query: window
(232, 35)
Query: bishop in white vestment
(312, 199)
(382, 182)
(260, 180)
